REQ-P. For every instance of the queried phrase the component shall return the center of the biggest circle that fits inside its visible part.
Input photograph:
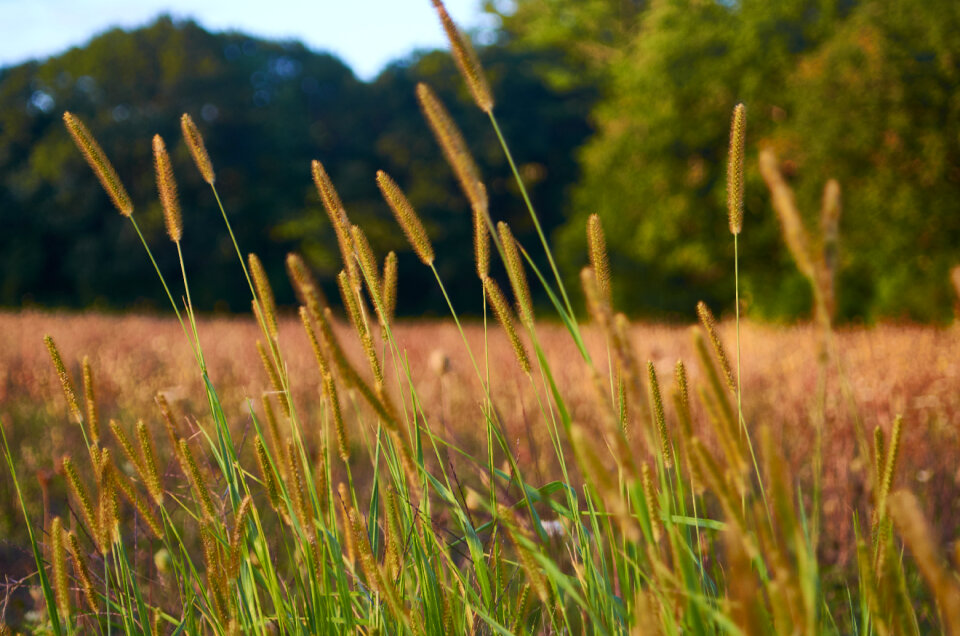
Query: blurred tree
(861, 90)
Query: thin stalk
(533, 214)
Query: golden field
(889, 369)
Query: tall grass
(661, 523)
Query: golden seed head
(328, 193)
(878, 457)
(169, 421)
(890, 464)
(198, 150)
(200, 490)
(64, 377)
(81, 494)
(794, 233)
(83, 572)
(167, 188)
(599, 311)
(481, 243)
(680, 378)
(368, 264)
(60, 583)
(93, 418)
(98, 161)
(314, 343)
(107, 503)
(274, 377)
(264, 294)
(466, 59)
(343, 443)
(389, 292)
(152, 475)
(266, 472)
(127, 446)
(597, 247)
(738, 128)
(454, 148)
(138, 502)
(304, 284)
(710, 325)
(406, 216)
(299, 485)
(352, 303)
(505, 316)
(518, 278)
(236, 537)
(659, 416)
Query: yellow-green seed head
(328, 193)
(343, 442)
(454, 148)
(167, 189)
(710, 325)
(407, 217)
(502, 310)
(466, 59)
(198, 150)
(98, 161)
(516, 272)
(93, 418)
(481, 243)
(264, 294)
(64, 378)
(597, 248)
(738, 128)
(389, 292)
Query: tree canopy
(619, 107)
(864, 91)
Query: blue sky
(364, 33)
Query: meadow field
(533, 463)
(884, 371)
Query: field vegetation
(517, 474)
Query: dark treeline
(266, 109)
(619, 107)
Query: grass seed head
(200, 489)
(80, 493)
(599, 261)
(738, 128)
(343, 442)
(269, 477)
(785, 206)
(59, 557)
(407, 217)
(466, 59)
(481, 243)
(304, 284)
(152, 476)
(328, 193)
(710, 325)
(518, 277)
(389, 291)
(454, 148)
(167, 189)
(198, 150)
(264, 294)
(65, 381)
(98, 161)
(82, 571)
(93, 418)
(502, 310)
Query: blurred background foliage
(619, 107)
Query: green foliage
(266, 109)
(862, 91)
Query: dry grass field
(890, 369)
